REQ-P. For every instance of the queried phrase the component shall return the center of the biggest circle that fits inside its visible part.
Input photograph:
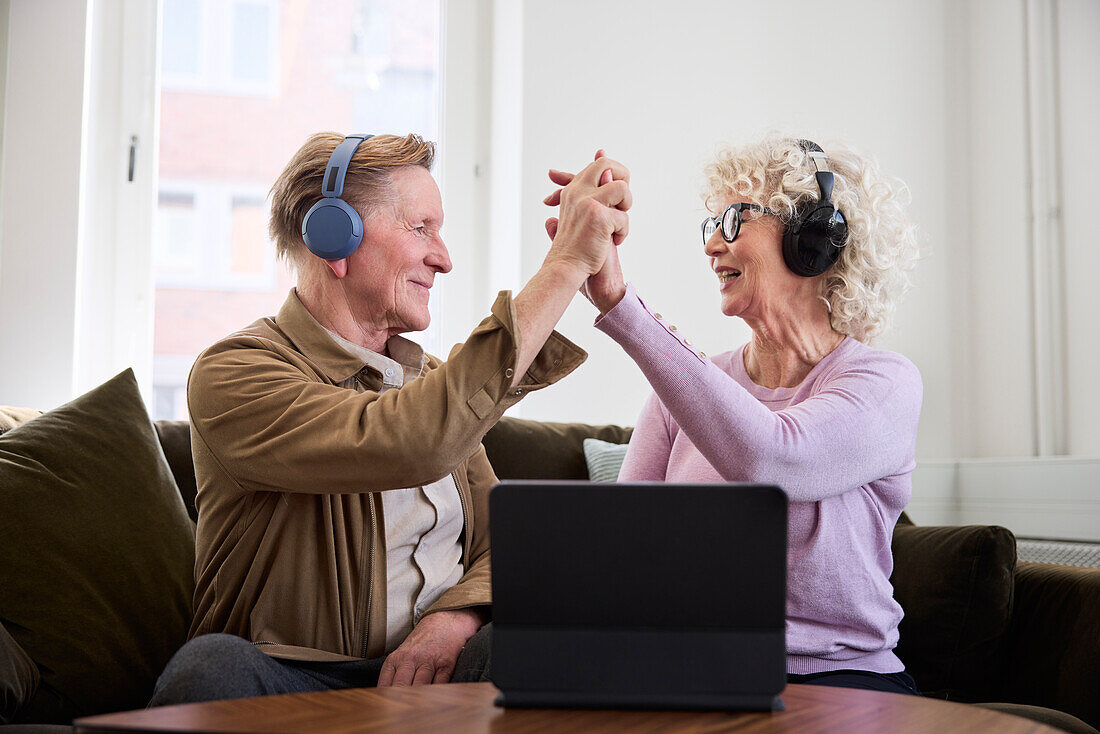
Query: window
(176, 234)
(213, 236)
(245, 82)
(253, 49)
(210, 46)
(180, 50)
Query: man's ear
(339, 267)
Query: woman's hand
(605, 288)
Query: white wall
(994, 304)
(937, 91)
(41, 171)
(1079, 94)
(5, 12)
(661, 88)
(1053, 497)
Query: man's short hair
(366, 185)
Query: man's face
(395, 266)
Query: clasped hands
(591, 223)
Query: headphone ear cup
(790, 247)
(813, 243)
(332, 229)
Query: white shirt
(422, 524)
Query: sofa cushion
(604, 459)
(18, 677)
(525, 449)
(955, 585)
(10, 417)
(1055, 639)
(96, 553)
(1051, 717)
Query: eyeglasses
(730, 221)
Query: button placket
(675, 331)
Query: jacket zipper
(371, 580)
(465, 555)
(465, 524)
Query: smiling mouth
(727, 275)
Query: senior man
(343, 489)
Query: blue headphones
(332, 229)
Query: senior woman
(811, 249)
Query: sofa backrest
(517, 449)
(175, 441)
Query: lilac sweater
(841, 444)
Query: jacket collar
(316, 343)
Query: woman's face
(752, 277)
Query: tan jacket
(292, 442)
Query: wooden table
(468, 707)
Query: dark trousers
(889, 682)
(218, 666)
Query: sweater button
(657, 316)
(672, 327)
(509, 372)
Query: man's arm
(592, 217)
(262, 412)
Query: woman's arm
(860, 427)
(650, 445)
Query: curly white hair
(872, 274)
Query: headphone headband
(332, 229)
(814, 240)
(333, 184)
(824, 174)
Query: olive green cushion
(96, 553)
(18, 677)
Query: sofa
(97, 519)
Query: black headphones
(816, 236)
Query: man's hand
(429, 653)
(593, 213)
(606, 287)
